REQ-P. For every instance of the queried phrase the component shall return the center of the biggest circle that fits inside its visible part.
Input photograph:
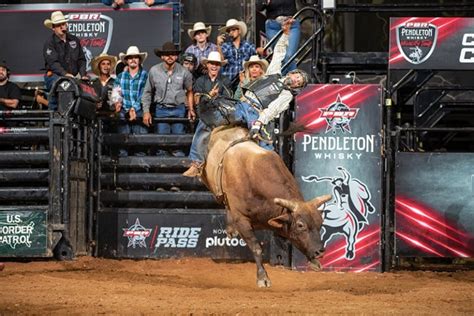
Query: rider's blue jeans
(272, 27)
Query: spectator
(207, 86)
(63, 54)
(10, 93)
(117, 4)
(102, 66)
(170, 88)
(201, 46)
(189, 61)
(235, 50)
(277, 11)
(254, 68)
(130, 85)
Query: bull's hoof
(315, 265)
(231, 232)
(264, 282)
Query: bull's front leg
(230, 227)
(246, 232)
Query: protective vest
(266, 89)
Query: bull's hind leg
(246, 231)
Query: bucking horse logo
(348, 213)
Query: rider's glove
(254, 131)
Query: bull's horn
(318, 201)
(285, 203)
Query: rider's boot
(194, 170)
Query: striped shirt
(235, 57)
(132, 89)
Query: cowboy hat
(168, 48)
(214, 57)
(133, 51)
(199, 26)
(57, 17)
(254, 59)
(97, 60)
(234, 23)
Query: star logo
(136, 235)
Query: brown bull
(261, 193)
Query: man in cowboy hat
(201, 46)
(170, 89)
(10, 94)
(131, 83)
(102, 67)
(62, 52)
(254, 68)
(236, 51)
(207, 86)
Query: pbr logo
(416, 41)
(94, 31)
(136, 235)
(338, 116)
(348, 213)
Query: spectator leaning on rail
(277, 11)
(207, 86)
(201, 46)
(170, 88)
(102, 67)
(62, 52)
(10, 93)
(127, 94)
(116, 4)
(234, 48)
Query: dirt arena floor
(201, 286)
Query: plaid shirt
(200, 54)
(235, 57)
(132, 89)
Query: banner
(340, 154)
(170, 234)
(431, 43)
(100, 29)
(23, 233)
(434, 205)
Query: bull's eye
(300, 225)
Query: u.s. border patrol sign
(23, 233)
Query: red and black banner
(339, 154)
(431, 43)
(434, 205)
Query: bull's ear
(290, 205)
(279, 221)
(318, 201)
